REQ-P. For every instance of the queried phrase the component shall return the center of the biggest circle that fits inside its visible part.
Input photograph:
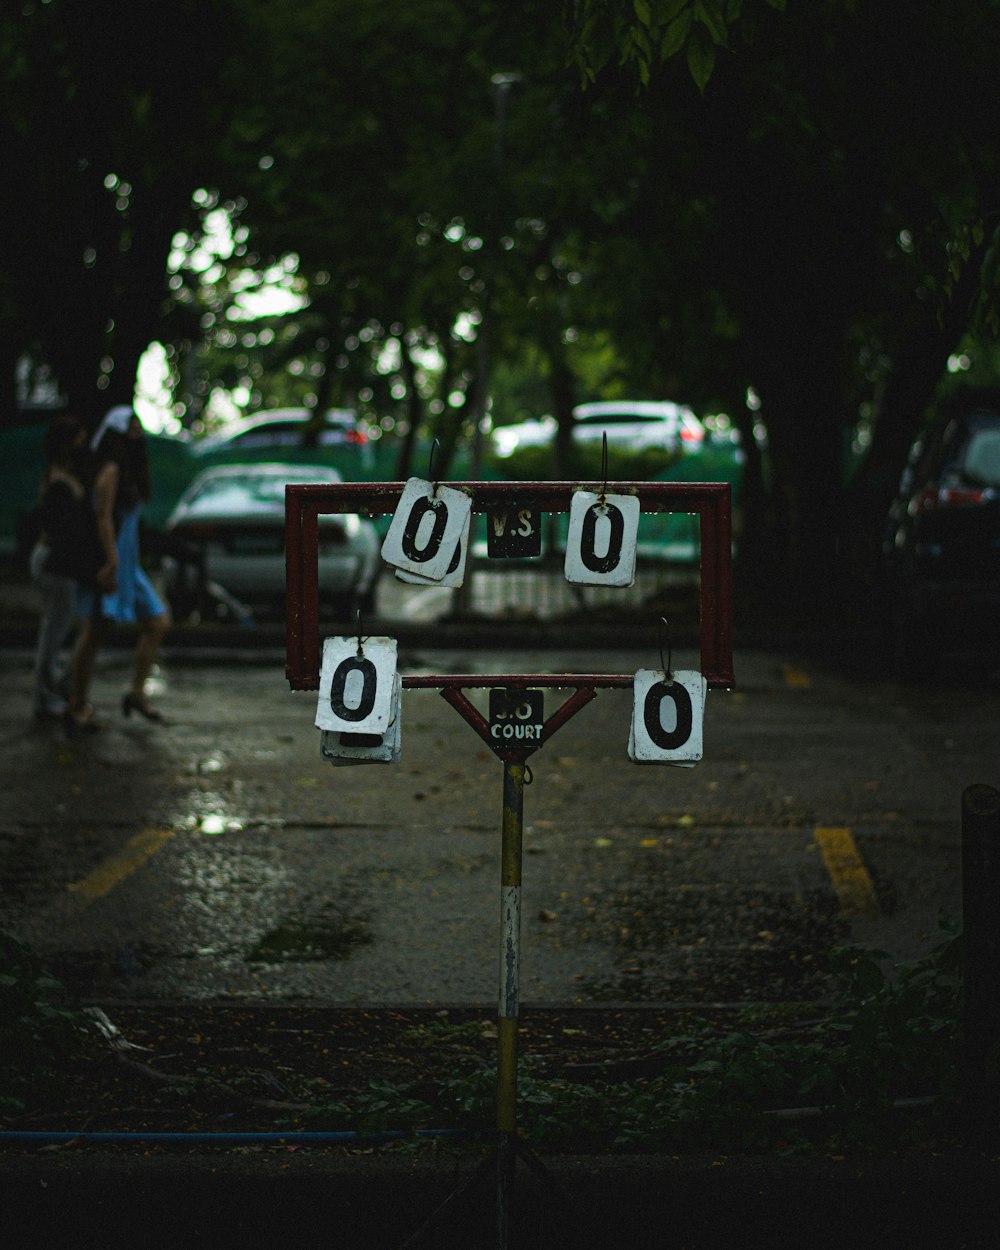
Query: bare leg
(92, 633)
(147, 648)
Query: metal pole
(512, 831)
(981, 942)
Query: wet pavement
(218, 857)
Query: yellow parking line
(116, 868)
(795, 677)
(847, 872)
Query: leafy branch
(648, 33)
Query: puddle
(310, 941)
(210, 815)
(214, 763)
(217, 824)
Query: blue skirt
(135, 599)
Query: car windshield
(981, 462)
(283, 433)
(241, 493)
(290, 432)
(621, 418)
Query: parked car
(637, 424)
(941, 552)
(506, 439)
(227, 538)
(284, 427)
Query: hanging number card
(455, 575)
(426, 529)
(668, 718)
(601, 544)
(356, 684)
(367, 748)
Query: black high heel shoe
(139, 703)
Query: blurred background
(369, 237)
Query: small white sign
(358, 748)
(455, 575)
(356, 685)
(601, 543)
(668, 717)
(426, 529)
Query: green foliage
(784, 224)
(444, 1032)
(652, 32)
(731, 1087)
(40, 1031)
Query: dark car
(941, 554)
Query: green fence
(176, 462)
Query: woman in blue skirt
(125, 596)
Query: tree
(110, 120)
(832, 230)
(648, 33)
(794, 223)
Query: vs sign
(513, 532)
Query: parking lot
(219, 857)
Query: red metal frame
(709, 500)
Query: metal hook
(604, 464)
(435, 449)
(529, 776)
(666, 667)
(361, 649)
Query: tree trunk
(415, 416)
(563, 387)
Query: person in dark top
(64, 557)
(125, 594)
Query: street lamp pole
(503, 85)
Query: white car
(283, 427)
(226, 536)
(507, 439)
(636, 424)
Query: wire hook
(432, 457)
(666, 666)
(604, 464)
(361, 649)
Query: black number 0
(353, 664)
(409, 537)
(653, 721)
(588, 551)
